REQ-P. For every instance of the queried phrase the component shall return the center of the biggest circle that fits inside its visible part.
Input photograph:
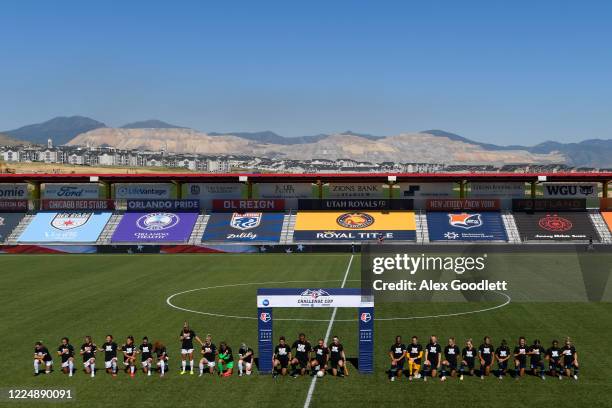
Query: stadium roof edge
(290, 177)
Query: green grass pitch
(47, 297)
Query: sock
(114, 367)
(162, 365)
(240, 364)
(36, 365)
(132, 369)
(191, 365)
(70, 368)
(47, 369)
(92, 367)
(183, 364)
(576, 371)
(201, 368)
(148, 370)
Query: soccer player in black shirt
(502, 355)
(397, 354)
(245, 360)
(129, 355)
(226, 360)
(186, 336)
(110, 355)
(415, 354)
(281, 357)
(537, 365)
(337, 358)
(570, 358)
(88, 351)
(450, 363)
(520, 357)
(66, 353)
(319, 360)
(302, 349)
(468, 355)
(42, 357)
(209, 355)
(486, 357)
(146, 355)
(432, 357)
(553, 355)
(162, 357)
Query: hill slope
(61, 129)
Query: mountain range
(425, 146)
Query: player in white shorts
(162, 357)
(66, 353)
(186, 336)
(245, 361)
(88, 351)
(110, 355)
(129, 355)
(42, 357)
(146, 355)
(209, 354)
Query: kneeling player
(226, 360)
(451, 353)
(162, 357)
(337, 358)
(66, 353)
(42, 357)
(129, 355)
(553, 355)
(281, 357)
(209, 356)
(486, 357)
(415, 354)
(537, 365)
(319, 363)
(432, 357)
(245, 360)
(502, 355)
(397, 354)
(520, 357)
(146, 355)
(570, 358)
(302, 349)
(469, 358)
(88, 351)
(110, 355)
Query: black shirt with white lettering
(146, 351)
(321, 353)
(451, 353)
(522, 353)
(282, 351)
(66, 351)
(486, 351)
(242, 352)
(433, 351)
(414, 350)
(161, 353)
(88, 350)
(110, 350)
(568, 354)
(302, 349)
(469, 354)
(398, 350)
(187, 341)
(335, 351)
(210, 350)
(502, 352)
(536, 353)
(554, 353)
(129, 350)
(43, 352)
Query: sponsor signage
(163, 205)
(249, 205)
(355, 190)
(509, 189)
(65, 227)
(13, 191)
(244, 227)
(457, 204)
(578, 190)
(78, 205)
(283, 190)
(555, 226)
(144, 190)
(606, 204)
(549, 204)
(71, 191)
(607, 216)
(8, 222)
(355, 204)
(354, 226)
(466, 226)
(14, 205)
(155, 227)
(206, 192)
(309, 297)
(426, 190)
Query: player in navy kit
(42, 357)
(537, 364)
(553, 355)
(186, 336)
(66, 353)
(486, 357)
(88, 351)
(570, 358)
(432, 358)
(451, 355)
(397, 354)
(468, 355)
(281, 357)
(502, 355)
(110, 355)
(320, 355)
(520, 357)
(146, 355)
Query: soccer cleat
(461, 377)
(240, 375)
(191, 373)
(560, 377)
(500, 377)
(410, 378)
(575, 377)
(425, 379)
(183, 372)
(443, 378)
(392, 379)
(482, 377)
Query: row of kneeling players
(433, 360)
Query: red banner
(13, 205)
(249, 205)
(463, 204)
(77, 205)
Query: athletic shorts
(537, 364)
(487, 362)
(522, 364)
(228, 366)
(302, 362)
(126, 361)
(334, 363)
(568, 365)
(469, 364)
(452, 365)
(503, 365)
(319, 362)
(400, 364)
(65, 363)
(284, 361)
(433, 364)
(109, 363)
(553, 364)
(87, 363)
(186, 351)
(48, 362)
(414, 365)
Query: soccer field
(47, 297)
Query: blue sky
(496, 71)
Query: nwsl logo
(465, 221)
(265, 317)
(365, 317)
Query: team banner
(71, 190)
(557, 226)
(249, 205)
(508, 189)
(426, 190)
(549, 204)
(244, 227)
(155, 227)
(466, 226)
(354, 226)
(570, 190)
(126, 191)
(355, 204)
(78, 205)
(163, 205)
(8, 222)
(355, 190)
(206, 192)
(466, 204)
(13, 191)
(14, 205)
(65, 227)
(607, 216)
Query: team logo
(245, 221)
(194, 189)
(266, 302)
(157, 221)
(465, 220)
(555, 223)
(312, 297)
(314, 293)
(365, 317)
(355, 220)
(68, 221)
(587, 190)
(265, 317)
